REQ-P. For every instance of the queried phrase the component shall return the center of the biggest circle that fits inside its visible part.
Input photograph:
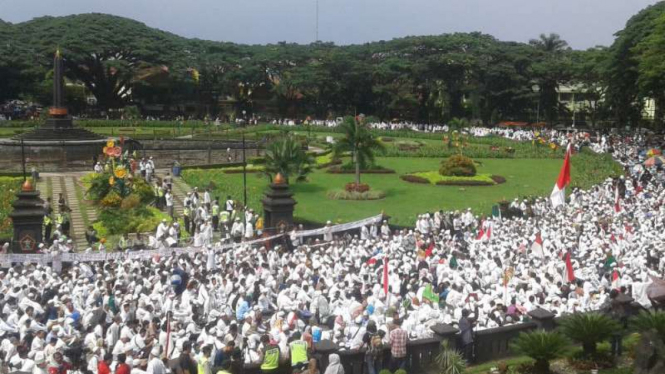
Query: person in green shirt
(270, 356)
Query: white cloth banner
(44, 259)
(341, 227)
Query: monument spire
(58, 85)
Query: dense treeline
(424, 78)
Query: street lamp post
(244, 172)
(536, 89)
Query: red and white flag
(485, 232)
(615, 280)
(617, 201)
(558, 196)
(568, 273)
(537, 247)
(481, 231)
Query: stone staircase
(73, 192)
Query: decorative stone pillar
(544, 319)
(28, 219)
(278, 206)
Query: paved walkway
(83, 214)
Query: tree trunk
(541, 367)
(357, 172)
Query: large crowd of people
(215, 310)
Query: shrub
(143, 190)
(400, 371)
(111, 200)
(353, 187)
(458, 166)
(353, 195)
(589, 329)
(450, 361)
(385, 371)
(414, 179)
(130, 202)
(542, 346)
(256, 160)
(646, 321)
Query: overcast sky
(583, 23)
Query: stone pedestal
(278, 206)
(28, 219)
(544, 319)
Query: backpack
(375, 346)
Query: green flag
(430, 295)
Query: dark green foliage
(458, 166)
(542, 346)
(286, 156)
(589, 329)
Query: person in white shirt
(155, 365)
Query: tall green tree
(360, 142)
(286, 156)
(550, 70)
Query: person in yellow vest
(224, 219)
(204, 362)
(270, 356)
(215, 215)
(48, 226)
(259, 226)
(298, 349)
(187, 216)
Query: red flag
(615, 280)
(429, 250)
(385, 275)
(569, 273)
(481, 232)
(558, 195)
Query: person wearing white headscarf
(334, 365)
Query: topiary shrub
(458, 166)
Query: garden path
(83, 213)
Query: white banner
(44, 259)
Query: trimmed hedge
(339, 170)
(433, 177)
(358, 196)
(414, 179)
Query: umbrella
(655, 160)
(656, 290)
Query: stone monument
(28, 219)
(57, 144)
(278, 206)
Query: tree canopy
(420, 78)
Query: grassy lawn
(404, 201)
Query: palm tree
(286, 156)
(542, 346)
(450, 361)
(647, 321)
(551, 43)
(360, 142)
(589, 329)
